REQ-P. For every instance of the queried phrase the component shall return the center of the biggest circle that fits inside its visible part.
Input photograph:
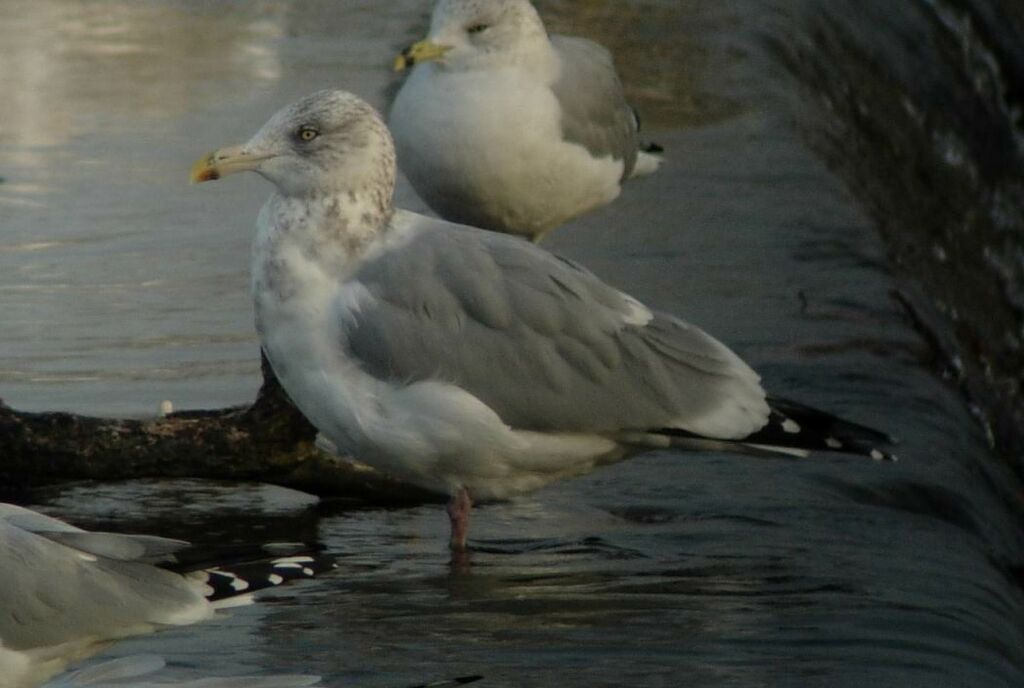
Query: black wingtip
(794, 425)
(241, 578)
(651, 147)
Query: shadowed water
(121, 286)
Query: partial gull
(502, 127)
(65, 593)
(462, 360)
(145, 671)
(137, 671)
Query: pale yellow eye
(477, 28)
(308, 133)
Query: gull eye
(307, 133)
(477, 28)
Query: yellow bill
(222, 162)
(424, 51)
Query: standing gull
(465, 361)
(66, 592)
(502, 127)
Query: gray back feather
(54, 593)
(595, 113)
(149, 549)
(146, 548)
(540, 340)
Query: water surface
(121, 286)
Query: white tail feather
(646, 163)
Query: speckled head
(328, 142)
(470, 34)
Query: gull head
(475, 34)
(328, 142)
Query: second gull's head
(477, 34)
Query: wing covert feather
(595, 113)
(542, 341)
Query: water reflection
(120, 286)
(71, 66)
(95, 96)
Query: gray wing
(146, 548)
(33, 521)
(543, 342)
(595, 113)
(53, 593)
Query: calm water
(121, 286)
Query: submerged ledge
(268, 441)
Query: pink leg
(459, 507)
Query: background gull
(466, 361)
(503, 127)
(67, 592)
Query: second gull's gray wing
(595, 113)
(543, 342)
(53, 594)
(147, 548)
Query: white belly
(431, 434)
(487, 150)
